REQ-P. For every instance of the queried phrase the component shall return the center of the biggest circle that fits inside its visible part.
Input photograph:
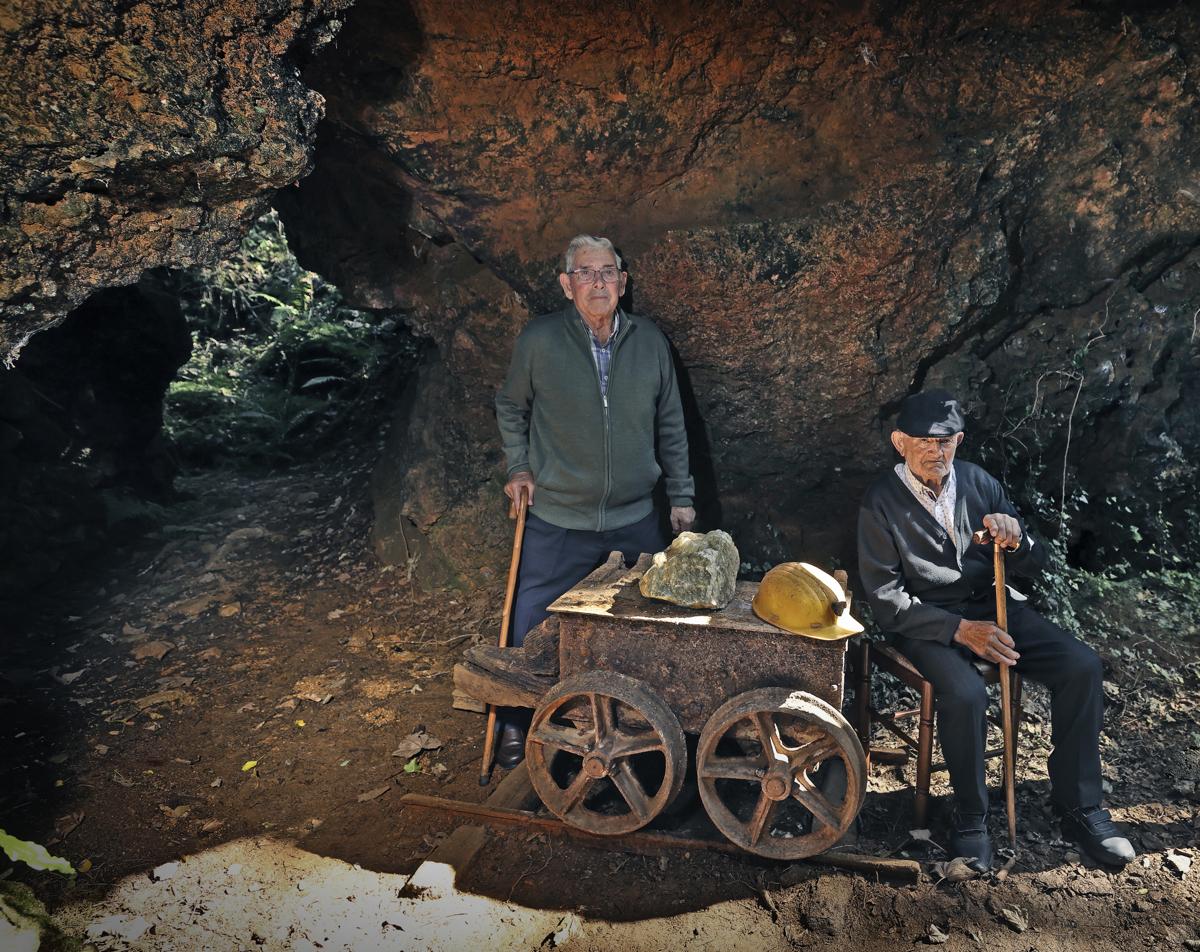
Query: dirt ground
(232, 691)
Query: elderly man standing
(590, 394)
(932, 589)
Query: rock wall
(139, 134)
(826, 206)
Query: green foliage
(279, 363)
(1110, 557)
(33, 854)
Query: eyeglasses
(587, 275)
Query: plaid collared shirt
(602, 353)
(940, 506)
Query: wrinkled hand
(1004, 529)
(682, 518)
(987, 641)
(520, 482)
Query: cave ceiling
(824, 205)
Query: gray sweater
(593, 458)
(917, 578)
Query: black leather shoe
(971, 841)
(1093, 829)
(511, 749)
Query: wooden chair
(881, 655)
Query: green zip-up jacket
(593, 458)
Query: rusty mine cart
(780, 772)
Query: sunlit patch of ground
(263, 893)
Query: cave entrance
(282, 367)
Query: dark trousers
(553, 560)
(1050, 656)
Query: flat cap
(931, 413)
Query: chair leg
(864, 698)
(924, 756)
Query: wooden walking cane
(1010, 753)
(515, 510)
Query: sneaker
(970, 840)
(1093, 829)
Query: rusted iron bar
(648, 841)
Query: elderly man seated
(932, 589)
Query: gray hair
(582, 242)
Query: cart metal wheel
(605, 753)
(781, 773)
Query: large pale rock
(696, 570)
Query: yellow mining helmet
(802, 599)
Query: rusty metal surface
(765, 765)
(605, 754)
(694, 661)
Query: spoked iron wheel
(770, 770)
(605, 753)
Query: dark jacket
(593, 458)
(916, 577)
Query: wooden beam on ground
(457, 851)
(649, 841)
(514, 792)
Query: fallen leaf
(174, 696)
(249, 765)
(121, 779)
(300, 723)
(129, 631)
(84, 865)
(211, 826)
(65, 825)
(216, 783)
(151, 649)
(414, 743)
(955, 871)
(228, 611)
(919, 835)
(175, 813)
(100, 750)
(1014, 918)
(70, 677)
(335, 614)
(209, 654)
(934, 935)
(373, 794)
(975, 934)
(165, 871)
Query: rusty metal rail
(650, 841)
